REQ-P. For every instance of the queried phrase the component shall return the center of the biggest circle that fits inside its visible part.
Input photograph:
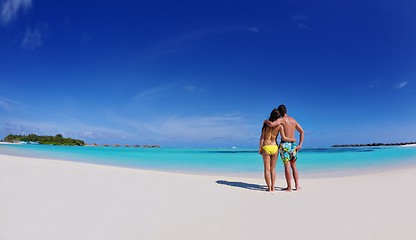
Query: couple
(280, 122)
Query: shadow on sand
(249, 186)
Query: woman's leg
(273, 160)
(267, 177)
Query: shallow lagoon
(225, 161)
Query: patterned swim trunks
(288, 151)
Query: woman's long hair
(273, 116)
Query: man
(288, 150)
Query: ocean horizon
(312, 162)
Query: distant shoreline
(8, 143)
(374, 144)
(88, 145)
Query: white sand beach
(409, 145)
(50, 199)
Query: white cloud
(86, 37)
(302, 25)
(67, 25)
(192, 88)
(212, 32)
(11, 8)
(10, 105)
(195, 129)
(205, 127)
(300, 17)
(180, 43)
(4, 105)
(401, 85)
(34, 38)
(374, 84)
(301, 21)
(151, 94)
(253, 29)
(216, 130)
(88, 133)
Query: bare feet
(287, 189)
(298, 188)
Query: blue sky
(206, 73)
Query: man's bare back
(289, 125)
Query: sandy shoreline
(409, 145)
(47, 199)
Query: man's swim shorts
(288, 151)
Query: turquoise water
(225, 161)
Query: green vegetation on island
(51, 140)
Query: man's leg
(288, 176)
(295, 174)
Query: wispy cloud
(67, 25)
(401, 85)
(300, 17)
(11, 8)
(253, 29)
(215, 129)
(20, 118)
(302, 25)
(151, 94)
(89, 133)
(4, 105)
(192, 88)
(211, 32)
(194, 129)
(34, 37)
(374, 84)
(86, 37)
(10, 105)
(205, 127)
(301, 21)
(181, 42)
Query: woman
(269, 149)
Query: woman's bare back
(270, 135)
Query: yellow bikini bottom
(270, 149)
